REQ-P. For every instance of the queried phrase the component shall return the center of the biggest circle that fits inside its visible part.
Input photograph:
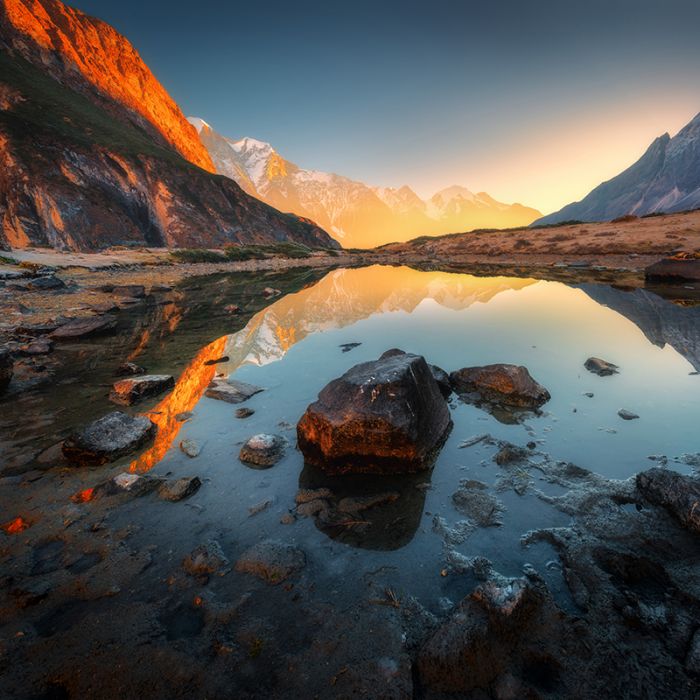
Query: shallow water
(292, 348)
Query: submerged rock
(85, 328)
(508, 385)
(127, 392)
(272, 561)
(129, 369)
(107, 439)
(473, 500)
(244, 412)
(204, 560)
(190, 448)
(6, 369)
(231, 390)
(386, 416)
(178, 489)
(263, 450)
(602, 368)
(679, 494)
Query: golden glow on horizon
(563, 160)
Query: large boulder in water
(107, 439)
(507, 385)
(6, 369)
(382, 417)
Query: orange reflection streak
(188, 390)
(140, 347)
(15, 526)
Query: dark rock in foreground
(107, 439)
(231, 390)
(130, 391)
(508, 385)
(263, 450)
(271, 561)
(84, 328)
(129, 369)
(45, 283)
(674, 270)
(6, 369)
(602, 368)
(679, 494)
(386, 416)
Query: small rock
(45, 283)
(232, 308)
(107, 439)
(475, 440)
(627, 415)
(179, 488)
(204, 560)
(347, 347)
(184, 416)
(190, 448)
(85, 328)
(508, 385)
(287, 519)
(589, 394)
(272, 561)
(602, 368)
(270, 292)
(125, 480)
(40, 346)
(135, 291)
(127, 392)
(311, 508)
(231, 390)
(262, 450)
(508, 454)
(260, 507)
(129, 369)
(244, 412)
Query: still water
(292, 349)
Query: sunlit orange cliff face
(93, 58)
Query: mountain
(665, 179)
(356, 214)
(94, 152)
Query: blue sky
(534, 101)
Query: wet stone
(179, 489)
(107, 439)
(129, 369)
(510, 454)
(263, 450)
(627, 415)
(191, 448)
(244, 412)
(602, 368)
(84, 328)
(272, 561)
(127, 392)
(231, 390)
(206, 559)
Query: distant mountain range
(94, 152)
(665, 179)
(356, 214)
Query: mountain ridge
(357, 214)
(665, 179)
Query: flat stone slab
(84, 328)
(127, 392)
(178, 489)
(107, 439)
(272, 561)
(231, 390)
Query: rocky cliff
(92, 58)
(78, 170)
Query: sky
(534, 102)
